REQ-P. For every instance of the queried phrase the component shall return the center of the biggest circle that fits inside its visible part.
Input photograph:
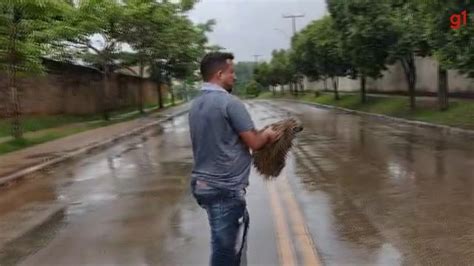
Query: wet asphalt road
(355, 192)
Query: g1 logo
(456, 21)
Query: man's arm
(240, 120)
(256, 140)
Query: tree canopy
(105, 34)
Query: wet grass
(17, 144)
(36, 123)
(460, 112)
(57, 124)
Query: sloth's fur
(271, 159)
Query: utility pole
(293, 86)
(293, 20)
(256, 56)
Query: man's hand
(258, 139)
(271, 135)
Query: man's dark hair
(213, 62)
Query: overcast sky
(248, 27)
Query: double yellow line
(299, 229)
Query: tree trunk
(4, 102)
(409, 68)
(442, 88)
(335, 87)
(325, 84)
(160, 95)
(141, 89)
(14, 106)
(105, 94)
(172, 94)
(363, 94)
(274, 90)
(185, 92)
(15, 109)
(295, 87)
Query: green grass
(35, 123)
(460, 113)
(17, 144)
(46, 122)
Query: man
(222, 133)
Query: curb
(443, 128)
(87, 149)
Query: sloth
(271, 159)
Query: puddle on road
(18, 249)
(133, 171)
(379, 193)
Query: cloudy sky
(249, 27)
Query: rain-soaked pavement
(355, 191)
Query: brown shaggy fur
(271, 159)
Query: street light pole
(283, 33)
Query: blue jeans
(229, 222)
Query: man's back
(222, 133)
(221, 159)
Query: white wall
(394, 80)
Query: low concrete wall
(394, 80)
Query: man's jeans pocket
(206, 195)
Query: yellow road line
(286, 251)
(300, 229)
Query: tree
(366, 33)
(317, 52)
(95, 35)
(190, 48)
(448, 44)
(282, 70)
(261, 75)
(183, 59)
(160, 75)
(410, 41)
(458, 51)
(303, 55)
(144, 27)
(267, 75)
(180, 59)
(252, 88)
(244, 72)
(26, 32)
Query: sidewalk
(70, 126)
(15, 161)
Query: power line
(282, 32)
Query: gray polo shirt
(221, 159)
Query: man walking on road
(222, 133)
